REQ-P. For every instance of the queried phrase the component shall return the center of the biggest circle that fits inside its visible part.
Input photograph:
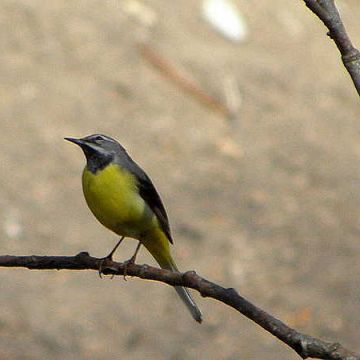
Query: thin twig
(183, 81)
(328, 13)
(306, 346)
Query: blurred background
(265, 200)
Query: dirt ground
(267, 203)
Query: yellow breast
(113, 197)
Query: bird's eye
(98, 138)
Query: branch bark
(328, 13)
(306, 346)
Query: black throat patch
(96, 162)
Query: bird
(123, 198)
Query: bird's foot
(131, 261)
(109, 257)
(103, 262)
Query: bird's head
(100, 150)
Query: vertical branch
(328, 13)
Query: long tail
(158, 246)
(184, 293)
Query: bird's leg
(115, 248)
(132, 259)
(109, 257)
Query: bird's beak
(86, 146)
(79, 142)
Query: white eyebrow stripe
(109, 138)
(104, 137)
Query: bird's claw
(131, 261)
(126, 263)
(101, 264)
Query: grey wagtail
(123, 198)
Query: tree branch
(327, 12)
(305, 345)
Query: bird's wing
(152, 198)
(149, 194)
